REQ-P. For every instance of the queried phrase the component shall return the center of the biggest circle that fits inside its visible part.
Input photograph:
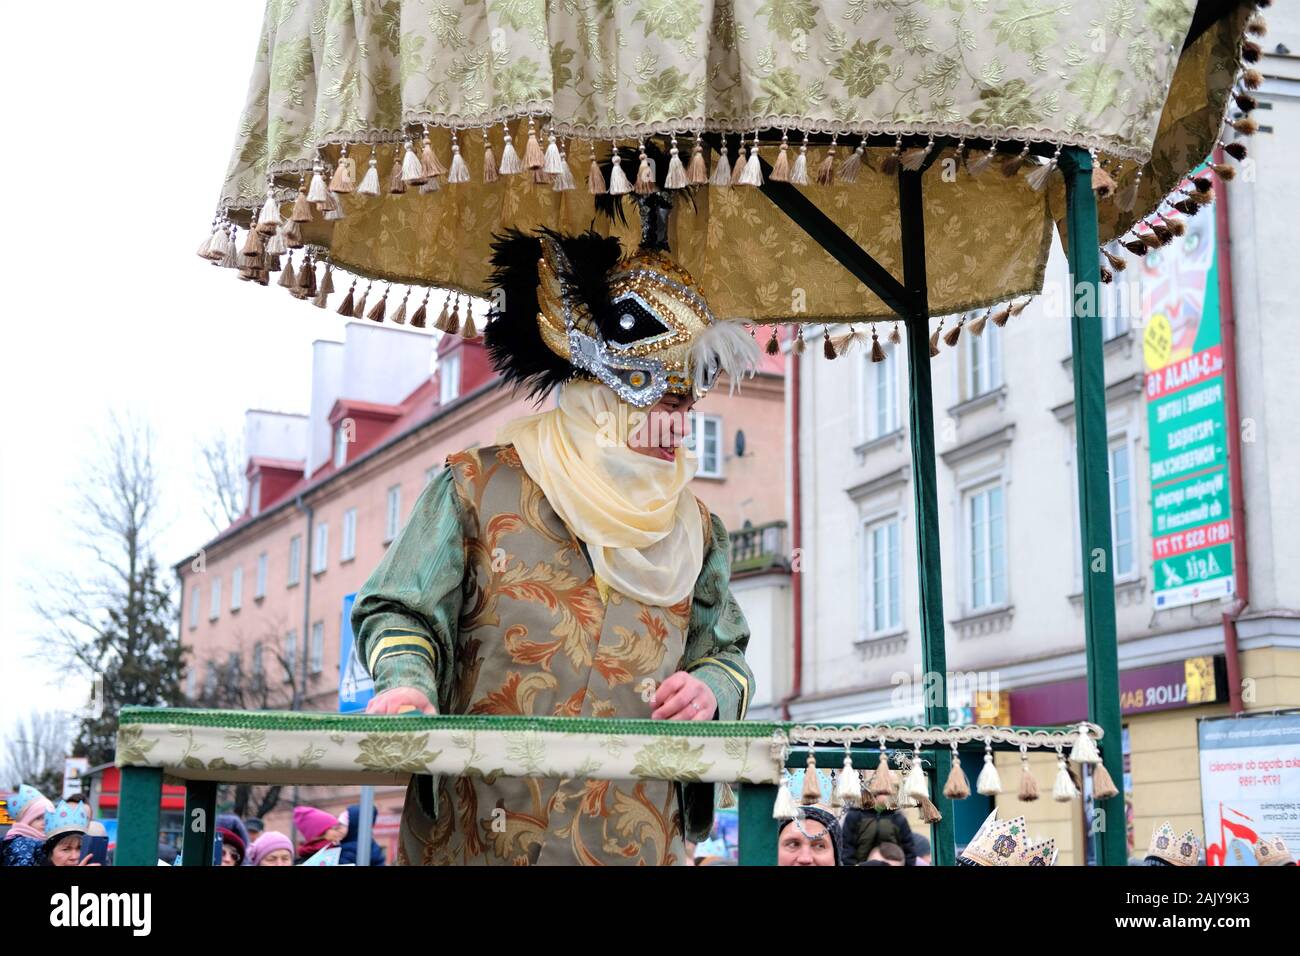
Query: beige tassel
(533, 157)
(396, 184)
(332, 211)
(988, 784)
(318, 192)
(956, 787)
(1117, 263)
(459, 169)
(510, 162)
(253, 246)
(359, 309)
(799, 172)
(369, 185)
(889, 166)
(799, 344)
(563, 181)
(722, 168)
(726, 796)
(468, 330)
(773, 345)
(345, 307)
(977, 327)
(934, 339)
(781, 168)
(697, 173)
(852, 165)
(430, 165)
(895, 336)
(742, 157)
(1126, 199)
(344, 180)
(268, 220)
(1063, 790)
(490, 173)
(985, 160)
(552, 161)
(1018, 307)
(419, 318)
(828, 347)
(1103, 786)
(1084, 749)
(914, 158)
(645, 174)
(1252, 78)
(826, 171)
(676, 177)
(877, 350)
(784, 807)
(1028, 785)
(301, 208)
(595, 178)
(752, 174)
(618, 184)
(1012, 166)
(882, 778)
(399, 315)
(288, 279)
(327, 280)
(848, 784)
(929, 813)
(915, 785)
(444, 321)
(812, 788)
(377, 311)
(1038, 177)
(999, 318)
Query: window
(255, 495)
(191, 682)
(987, 539)
(290, 656)
(706, 439)
(316, 650)
(259, 588)
(983, 362)
(236, 589)
(210, 680)
(349, 549)
(881, 573)
(1121, 507)
(194, 607)
(233, 671)
(880, 395)
(295, 559)
(430, 474)
(214, 611)
(340, 445)
(1115, 303)
(320, 554)
(393, 518)
(448, 379)
(259, 664)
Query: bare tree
(110, 617)
(222, 479)
(35, 748)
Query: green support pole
(138, 817)
(757, 826)
(934, 659)
(1093, 454)
(200, 827)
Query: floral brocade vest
(536, 639)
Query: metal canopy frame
(909, 299)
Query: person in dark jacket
(24, 840)
(348, 848)
(864, 828)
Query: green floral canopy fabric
(1113, 76)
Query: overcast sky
(119, 124)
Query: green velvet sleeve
(405, 616)
(719, 633)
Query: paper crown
(1272, 851)
(67, 818)
(1007, 843)
(1182, 850)
(23, 799)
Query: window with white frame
(194, 607)
(295, 559)
(431, 473)
(290, 654)
(320, 553)
(349, 548)
(393, 515)
(1121, 508)
(255, 495)
(259, 586)
(316, 649)
(448, 379)
(706, 439)
(340, 444)
(983, 361)
(986, 547)
(236, 589)
(880, 395)
(214, 611)
(880, 572)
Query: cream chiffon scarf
(636, 513)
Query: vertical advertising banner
(356, 687)
(1250, 783)
(1191, 516)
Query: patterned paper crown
(23, 799)
(1007, 843)
(578, 306)
(1272, 851)
(67, 818)
(1182, 850)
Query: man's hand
(684, 697)
(400, 700)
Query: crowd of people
(45, 833)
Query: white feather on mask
(725, 346)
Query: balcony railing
(759, 547)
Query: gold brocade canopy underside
(1117, 76)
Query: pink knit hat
(312, 823)
(266, 844)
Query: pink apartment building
(327, 492)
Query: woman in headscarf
(810, 838)
(271, 849)
(23, 842)
(569, 570)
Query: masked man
(569, 570)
